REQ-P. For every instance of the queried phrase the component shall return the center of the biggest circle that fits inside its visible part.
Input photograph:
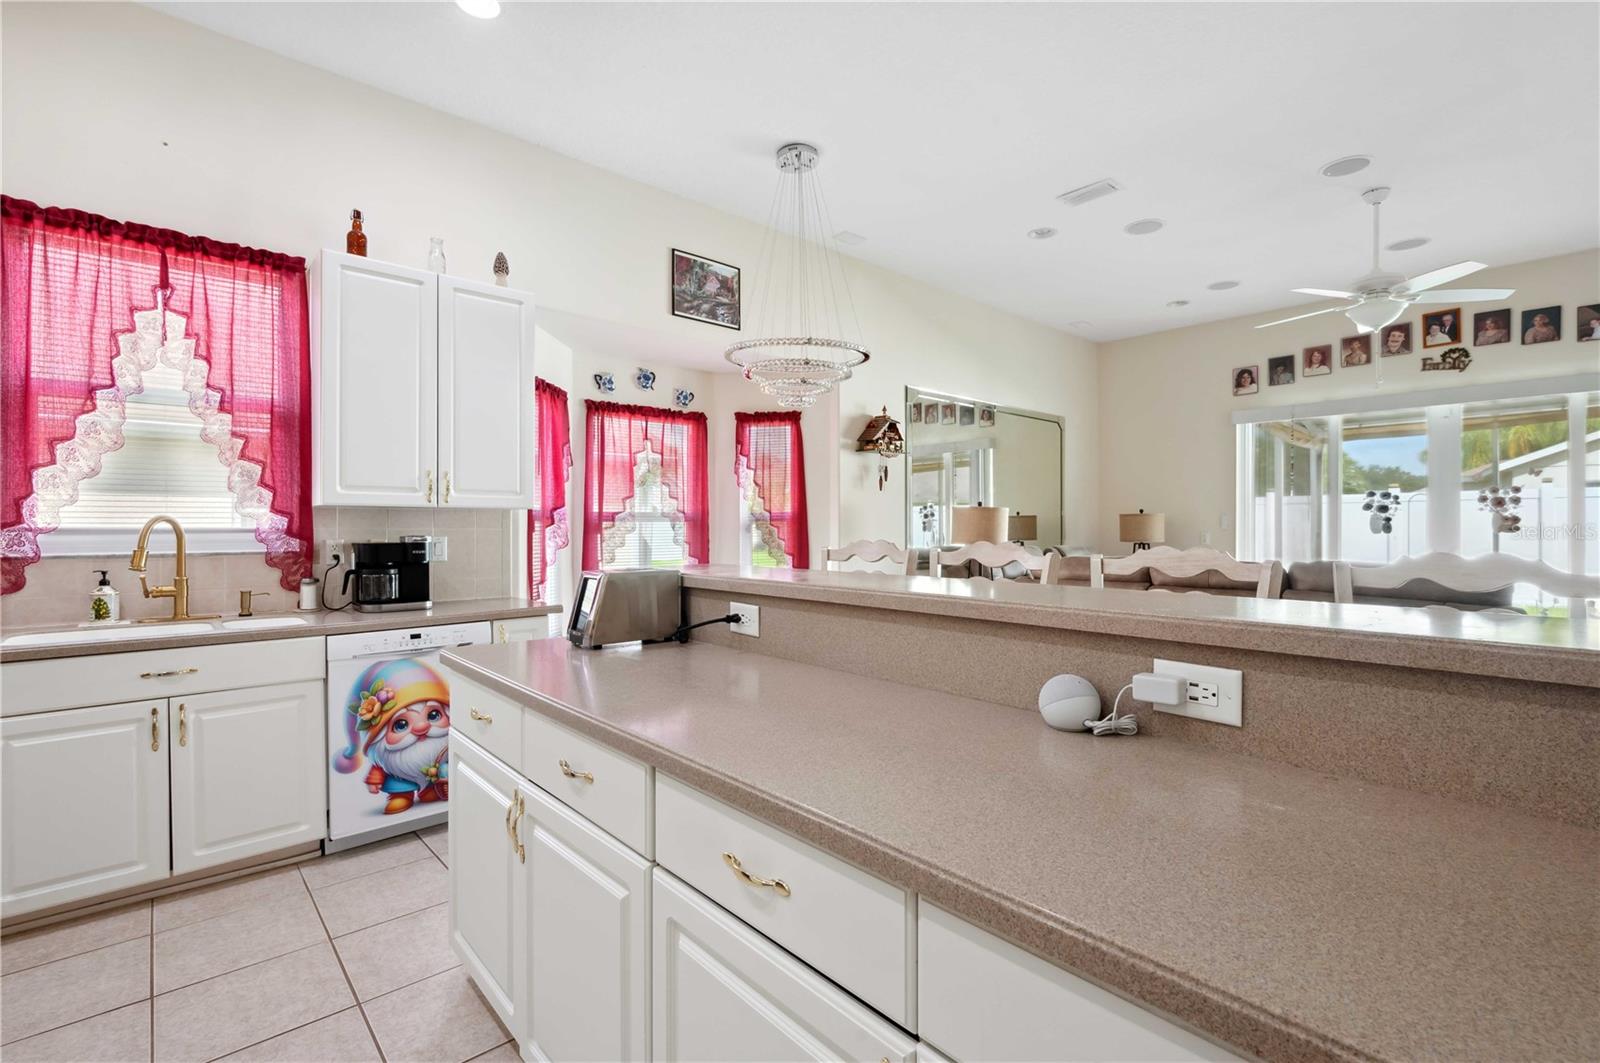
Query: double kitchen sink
(127, 632)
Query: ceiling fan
(1380, 298)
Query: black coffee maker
(390, 576)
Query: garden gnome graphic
(398, 718)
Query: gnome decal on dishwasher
(398, 718)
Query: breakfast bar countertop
(1501, 644)
(318, 624)
(1290, 913)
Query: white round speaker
(1067, 701)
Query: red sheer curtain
(769, 456)
(547, 525)
(90, 303)
(617, 436)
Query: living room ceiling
(947, 130)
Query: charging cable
(1114, 724)
(682, 634)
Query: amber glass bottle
(355, 241)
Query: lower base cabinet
(488, 884)
(720, 991)
(587, 937)
(83, 793)
(248, 775)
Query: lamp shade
(1023, 527)
(978, 524)
(1142, 527)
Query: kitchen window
(771, 473)
(644, 487)
(1435, 458)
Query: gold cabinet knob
(447, 487)
(155, 730)
(566, 769)
(777, 885)
(481, 717)
(427, 491)
(183, 724)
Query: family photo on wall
(1440, 329)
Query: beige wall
(1166, 402)
(101, 112)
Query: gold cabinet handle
(480, 716)
(511, 808)
(155, 730)
(167, 675)
(427, 494)
(516, 823)
(183, 724)
(447, 487)
(777, 884)
(586, 776)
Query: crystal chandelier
(803, 298)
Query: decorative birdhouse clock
(884, 437)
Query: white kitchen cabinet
(721, 991)
(983, 998)
(376, 407)
(247, 773)
(587, 938)
(423, 389)
(485, 396)
(488, 880)
(84, 799)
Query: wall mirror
(966, 452)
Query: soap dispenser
(103, 605)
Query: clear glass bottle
(436, 253)
(355, 241)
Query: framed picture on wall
(1396, 339)
(1280, 370)
(1490, 327)
(1317, 361)
(1355, 350)
(985, 416)
(1589, 322)
(914, 413)
(1542, 325)
(1441, 328)
(966, 415)
(947, 413)
(1247, 380)
(704, 289)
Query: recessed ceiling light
(1346, 166)
(1222, 286)
(1408, 245)
(1178, 302)
(845, 236)
(1143, 226)
(480, 8)
(1043, 232)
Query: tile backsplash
(478, 566)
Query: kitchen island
(1282, 911)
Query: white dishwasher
(389, 731)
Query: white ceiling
(947, 129)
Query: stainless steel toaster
(627, 605)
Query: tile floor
(345, 959)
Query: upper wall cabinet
(424, 389)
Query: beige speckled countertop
(1505, 645)
(320, 624)
(1290, 913)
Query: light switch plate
(750, 622)
(1215, 694)
(441, 548)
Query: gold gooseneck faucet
(179, 591)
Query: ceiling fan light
(1373, 314)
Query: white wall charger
(1153, 689)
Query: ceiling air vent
(1088, 193)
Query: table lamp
(1142, 529)
(978, 524)
(1023, 528)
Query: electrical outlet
(1215, 694)
(749, 619)
(335, 548)
(1205, 538)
